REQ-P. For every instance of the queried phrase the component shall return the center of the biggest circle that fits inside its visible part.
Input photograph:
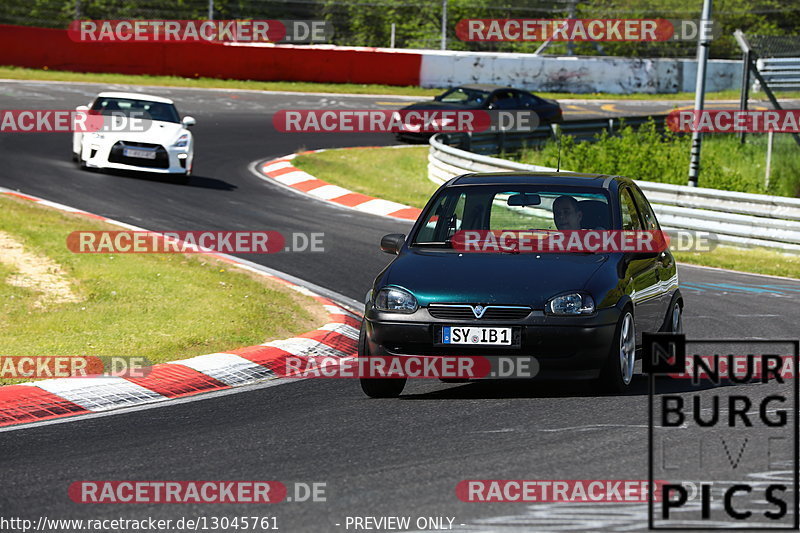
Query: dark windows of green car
(649, 217)
(506, 207)
(630, 216)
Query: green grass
(759, 260)
(648, 155)
(159, 306)
(45, 74)
(400, 175)
(396, 174)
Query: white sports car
(139, 132)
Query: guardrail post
(746, 60)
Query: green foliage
(418, 22)
(650, 155)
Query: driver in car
(566, 214)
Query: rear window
(519, 207)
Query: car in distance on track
(160, 142)
(581, 315)
(489, 98)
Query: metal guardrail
(581, 130)
(737, 219)
(780, 73)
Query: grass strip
(162, 307)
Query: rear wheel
(676, 318)
(377, 387)
(618, 371)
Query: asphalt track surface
(377, 457)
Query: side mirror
(392, 243)
(82, 108)
(188, 121)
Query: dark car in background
(486, 97)
(581, 315)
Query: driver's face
(566, 216)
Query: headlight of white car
(182, 142)
(572, 304)
(396, 300)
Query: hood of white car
(154, 131)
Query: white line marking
(380, 207)
(328, 192)
(292, 178)
(99, 393)
(167, 403)
(228, 368)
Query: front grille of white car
(116, 155)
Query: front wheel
(618, 371)
(377, 387)
(383, 387)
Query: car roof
(488, 87)
(135, 96)
(574, 179)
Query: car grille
(116, 155)
(464, 312)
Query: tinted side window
(630, 217)
(504, 100)
(650, 221)
(527, 99)
(444, 221)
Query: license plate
(476, 336)
(141, 154)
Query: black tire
(673, 322)
(617, 375)
(377, 387)
(383, 387)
